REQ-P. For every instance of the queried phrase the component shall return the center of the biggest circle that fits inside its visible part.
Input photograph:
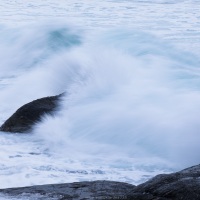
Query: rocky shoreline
(182, 185)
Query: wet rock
(72, 191)
(26, 116)
(183, 185)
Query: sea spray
(136, 93)
(131, 107)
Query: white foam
(131, 108)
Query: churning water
(131, 73)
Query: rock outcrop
(183, 185)
(26, 116)
(71, 191)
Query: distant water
(131, 73)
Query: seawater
(130, 70)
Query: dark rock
(80, 190)
(183, 185)
(26, 116)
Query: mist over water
(140, 101)
(130, 110)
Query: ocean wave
(131, 99)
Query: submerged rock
(183, 185)
(26, 116)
